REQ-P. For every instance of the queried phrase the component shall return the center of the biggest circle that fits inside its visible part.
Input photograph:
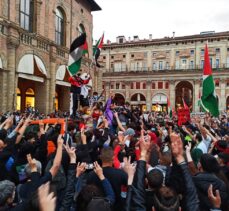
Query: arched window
(26, 14)
(30, 98)
(18, 106)
(81, 29)
(60, 28)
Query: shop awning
(31, 67)
(62, 76)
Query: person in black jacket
(210, 175)
(136, 192)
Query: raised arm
(106, 184)
(192, 202)
(57, 160)
(22, 129)
(119, 123)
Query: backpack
(60, 179)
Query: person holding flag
(208, 100)
(78, 48)
(97, 49)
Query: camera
(89, 166)
(119, 109)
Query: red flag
(184, 104)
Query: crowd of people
(114, 158)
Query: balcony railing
(188, 68)
(173, 68)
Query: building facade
(35, 36)
(151, 72)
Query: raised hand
(177, 147)
(80, 169)
(98, 170)
(129, 168)
(47, 201)
(215, 199)
(28, 119)
(60, 140)
(145, 145)
(83, 136)
(71, 153)
(32, 163)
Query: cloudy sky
(159, 17)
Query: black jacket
(136, 192)
(70, 189)
(136, 195)
(202, 182)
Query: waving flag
(97, 49)
(78, 48)
(184, 104)
(209, 100)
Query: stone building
(151, 72)
(35, 36)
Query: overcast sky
(159, 17)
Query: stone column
(12, 44)
(100, 81)
(196, 94)
(127, 85)
(37, 22)
(108, 61)
(148, 96)
(52, 85)
(3, 86)
(172, 58)
(149, 60)
(172, 93)
(107, 90)
(222, 100)
(128, 61)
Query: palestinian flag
(97, 49)
(208, 100)
(78, 48)
(169, 108)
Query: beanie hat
(129, 132)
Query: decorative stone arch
(160, 98)
(119, 98)
(138, 100)
(191, 82)
(184, 90)
(159, 102)
(138, 95)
